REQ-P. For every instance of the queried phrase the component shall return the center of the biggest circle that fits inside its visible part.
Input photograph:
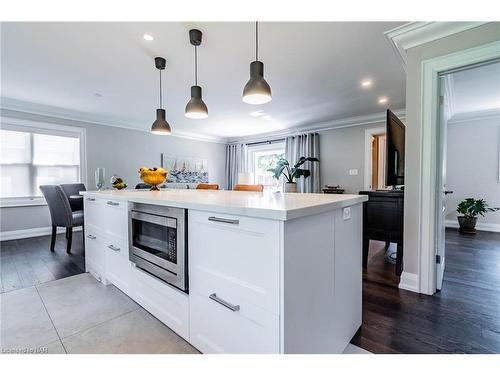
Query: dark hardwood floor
(27, 262)
(464, 317)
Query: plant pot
(467, 224)
(290, 187)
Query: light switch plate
(346, 214)
(353, 172)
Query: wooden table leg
(366, 245)
(399, 259)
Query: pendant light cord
(256, 41)
(196, 65)
(160, 92)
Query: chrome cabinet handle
(90, 199)
(91, 236)
(114, 248)
(222, 220)
(230, 306)
(111, 203)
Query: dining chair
(241, 187)
(61, 214)
(72, 192)
(207, 187)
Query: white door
(441, 182)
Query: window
(30, 157)
(263, 157)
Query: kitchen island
(265, 272)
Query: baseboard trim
(31, 232)
(409, 281)
(487, 227)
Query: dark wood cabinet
(383, 221)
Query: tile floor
(77, 314)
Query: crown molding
(20, 109)
(319, 127)
(488, 114)
(415, 34)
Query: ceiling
(314, 70)
(476, 89)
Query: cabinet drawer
(117, 265)
(116, 219)
(163, 301)
(93, 211)
(95, 256)
(215, 328)
(239, 261)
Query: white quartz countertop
(267, 205)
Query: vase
(467, 224)
(99, 178)
(290, 187)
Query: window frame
(40, 127)
(252, 150)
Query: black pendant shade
(257, 90)
(196, 107)
(161, 126)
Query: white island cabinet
(268, 273)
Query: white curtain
(236, 155)
(306, 145)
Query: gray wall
(415, 56)
(472, 166)
(120, 151)
(343, 149)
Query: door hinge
(441, 100)
(438, 259)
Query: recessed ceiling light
(366, 83)
(148, 37)
(266, 117)
(383, 100)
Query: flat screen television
(395, 152)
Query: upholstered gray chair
(61, 214)
(72, 190)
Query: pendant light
(160, 126)
(196, 108)
(257, 90)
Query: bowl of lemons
(153, 176)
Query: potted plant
(469, 209)
(291, 173)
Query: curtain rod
(278, 140)
(275, 140)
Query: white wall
(415, 56)
(120, 151)
(472, 166)
(341, 150)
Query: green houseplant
(469, 209)
(291, 173)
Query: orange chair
(207, 187)
(248, 187)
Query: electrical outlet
(346, 214)
(353, 172)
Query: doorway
(468, 177)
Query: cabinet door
(95, 257)
(221, 326)
(117, 264)
(235, 256)
(165, 302)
